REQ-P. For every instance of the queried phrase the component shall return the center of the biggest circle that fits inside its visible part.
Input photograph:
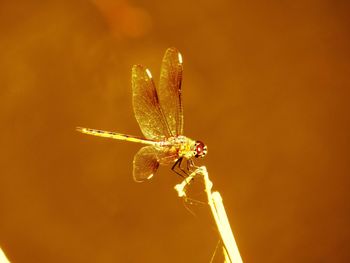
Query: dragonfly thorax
(187, 147)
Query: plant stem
(3, 258)
(218, 210)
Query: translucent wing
(148, 159)
(169, 90)
(146, 163)
(148, 112)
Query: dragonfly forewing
(169, 90)
(148, 112)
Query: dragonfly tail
(114, 135)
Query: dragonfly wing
(146, 163)
(148, 112)
(148, 159)
(169, 90)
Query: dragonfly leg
(190, 165)
(178, 161)
(177, 164)
(188, 170)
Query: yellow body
(184, 146)
(114, 135)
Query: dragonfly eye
(200, 150)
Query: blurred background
(266, 87)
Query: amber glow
(265, 86)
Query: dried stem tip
(218, 211)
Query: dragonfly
(159, 113)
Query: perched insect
(159, 114)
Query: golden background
(266, 87)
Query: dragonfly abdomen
(115, 135)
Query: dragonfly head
(200, 149)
